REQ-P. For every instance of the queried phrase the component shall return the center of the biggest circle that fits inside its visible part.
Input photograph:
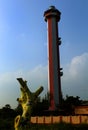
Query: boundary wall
(58, 119)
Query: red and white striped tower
(52, 17)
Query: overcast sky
(23, 47)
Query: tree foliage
(69, 104)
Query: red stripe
(50, 49)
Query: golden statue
(27, 101)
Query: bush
(6, 124)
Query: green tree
(69, 104)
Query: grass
(61, 126)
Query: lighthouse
(52, 17)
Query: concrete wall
(58, 119)
(82, 110)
